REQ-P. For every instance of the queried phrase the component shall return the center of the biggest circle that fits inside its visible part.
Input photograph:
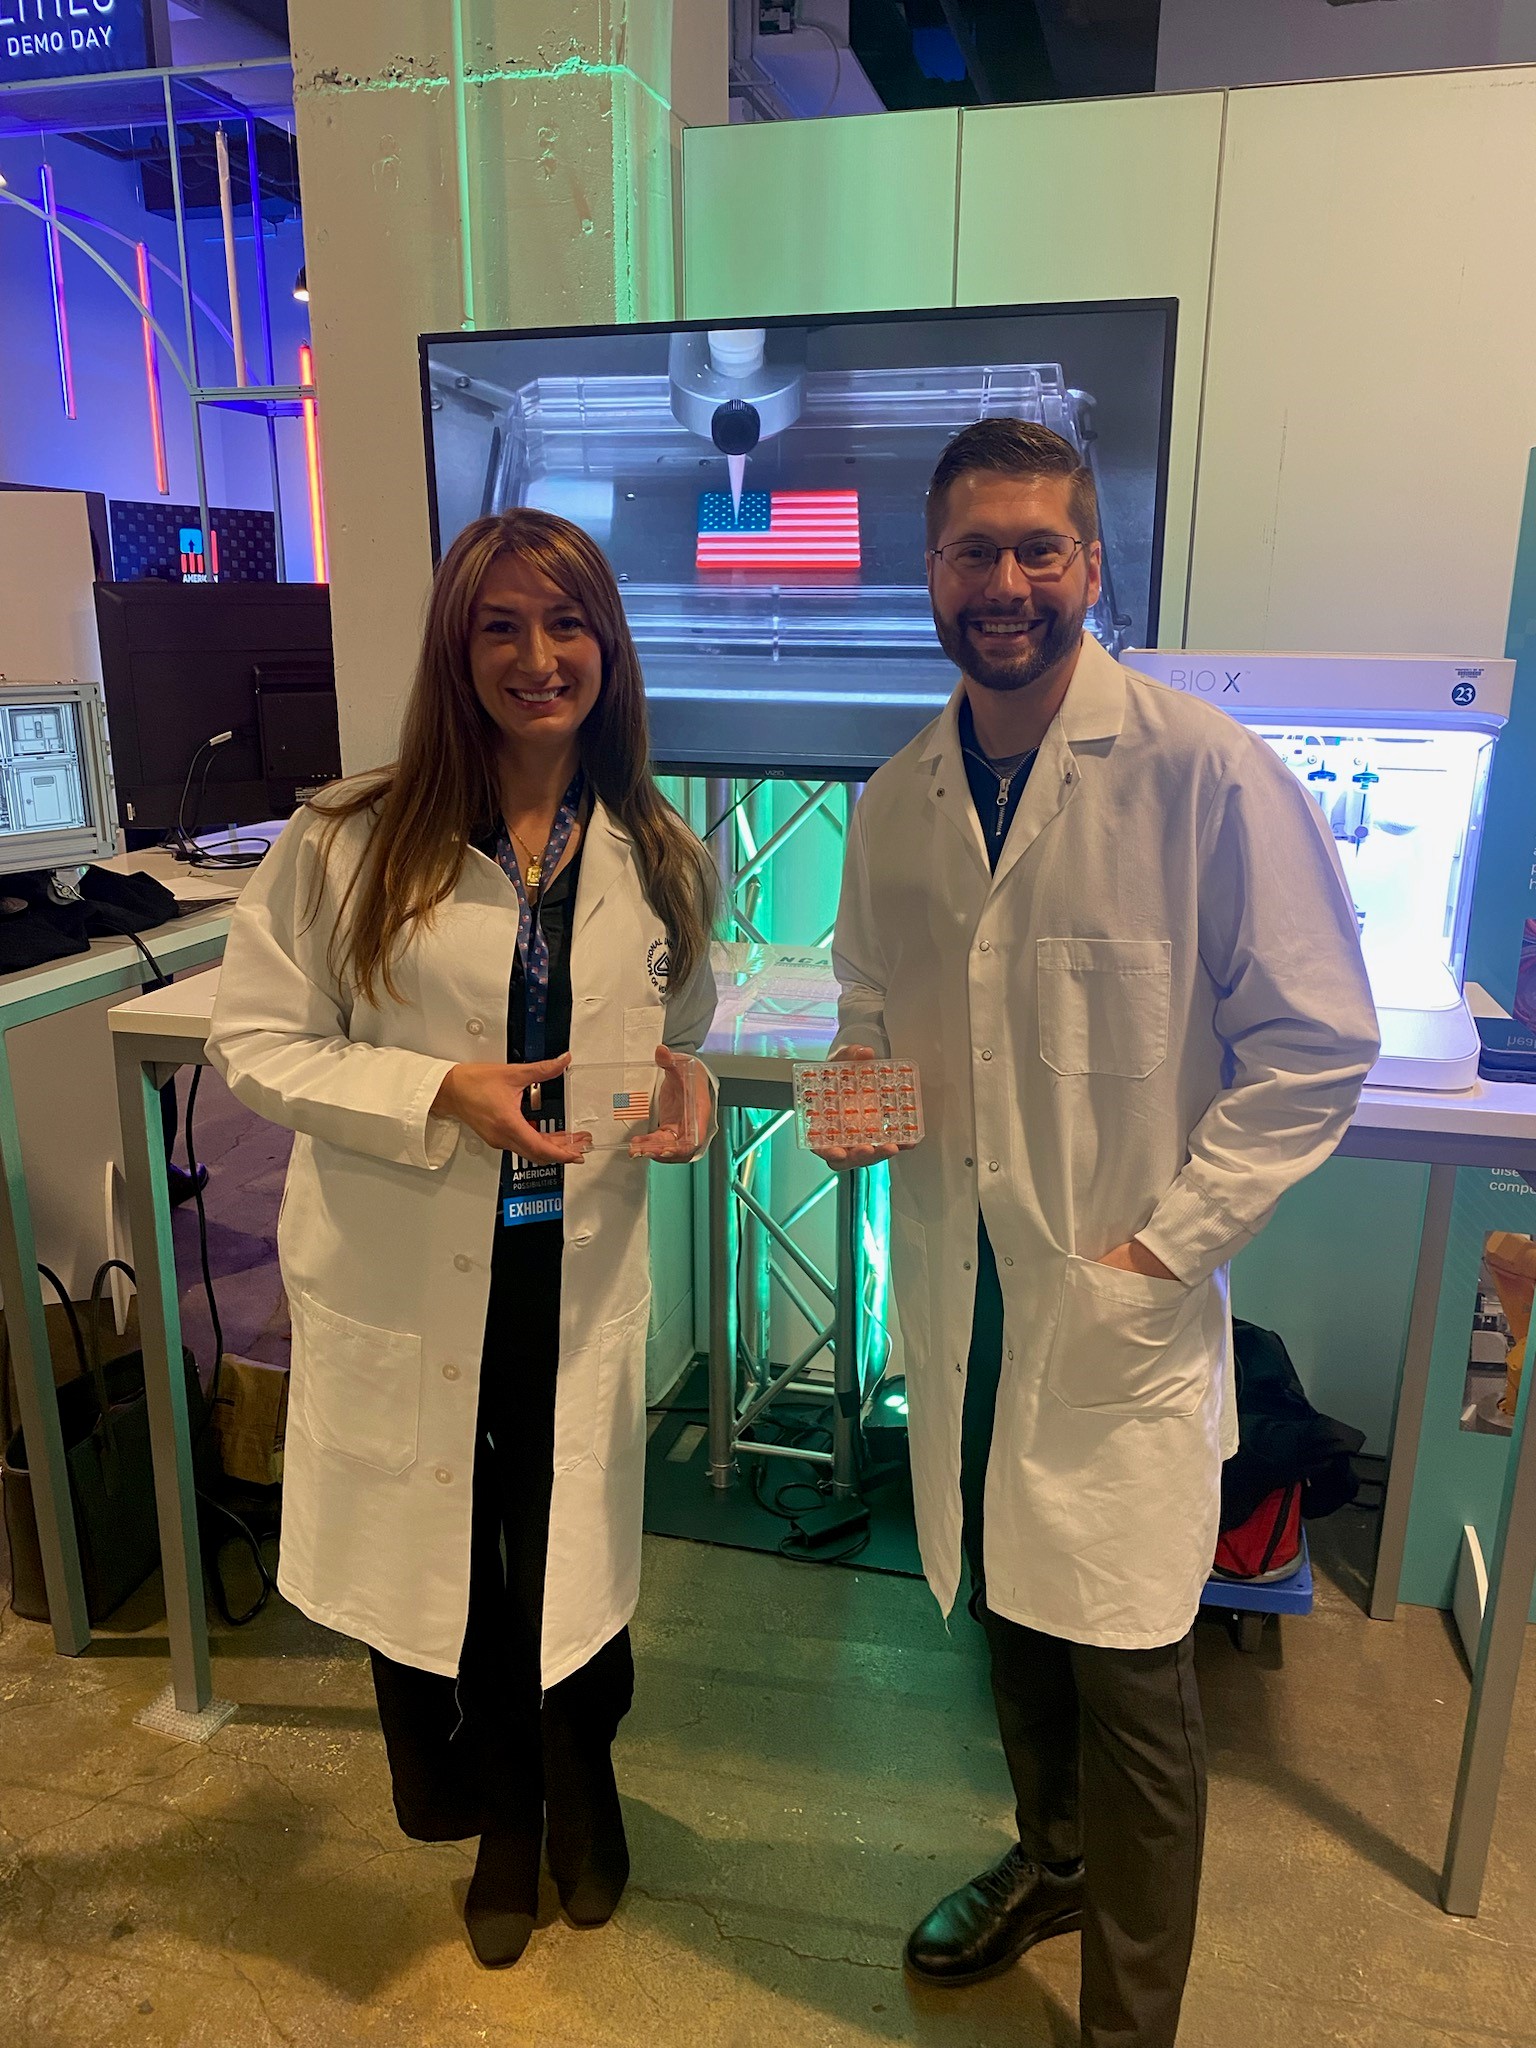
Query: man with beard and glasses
(1113, 932)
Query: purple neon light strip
(56, 277)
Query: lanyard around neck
(532, 946)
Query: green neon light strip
(461, 141)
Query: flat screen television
(758, 488)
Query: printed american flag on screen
(779, 530)
(632, 1107)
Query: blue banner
(42, 39)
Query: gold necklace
(533, 871)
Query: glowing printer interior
(1395, 751)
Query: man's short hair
(1013, 448)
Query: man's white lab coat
(1150, 1022)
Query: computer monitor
(184, 662)
(758, 487)
(56, 802)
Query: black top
(995, 791)
(531, 1252)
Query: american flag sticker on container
(632, 1107)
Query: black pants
(1106, 1750)
(489, 1751)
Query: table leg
(847, 1385)
(149, 1217)
(1408, 1421)
(1496, 1675)
(32, 1363)
(722, 1304)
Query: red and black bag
(1267, 1545)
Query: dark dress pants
(1106, 1750)
(488, 1751)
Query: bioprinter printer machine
(1395, 751)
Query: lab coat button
(992, 1166)
(443, 1476)
(987, 1053)
(461, 1262)
(967, 1265)
(1007, 1262)
(474, 1027)
(986, 945)
(450, 1372)
(970, 1162)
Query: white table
(107, 969)
(152, 1036)
(1493, 1124)
(751, 1051)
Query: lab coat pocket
(1104, 1005)
(1126, 1345)
(357, 1389)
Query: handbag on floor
(1267, 1546)
(104, 1417)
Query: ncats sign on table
(42, 39)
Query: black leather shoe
(990, 1922)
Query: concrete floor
(810, 1763)
(798, 1791)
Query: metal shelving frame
(754, 1254)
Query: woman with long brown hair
(414, 967)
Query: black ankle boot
(503, 1899)
(990, 1922)
(588, 1851)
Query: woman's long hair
(443, 789)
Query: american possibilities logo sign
(42, 39)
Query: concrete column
(476, 164)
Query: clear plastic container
(618, 1100)
(843, 1103)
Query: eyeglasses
(1044, 557)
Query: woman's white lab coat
(386, 1232)
(1150, 1021)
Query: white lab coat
(1151, 1021)
(385, 1239)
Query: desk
(108, 968)
(1493, 1124)
(754, 1043)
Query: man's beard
(1006, 670)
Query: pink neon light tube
(152, 375)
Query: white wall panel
(1371, 387)
(1104, 199)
